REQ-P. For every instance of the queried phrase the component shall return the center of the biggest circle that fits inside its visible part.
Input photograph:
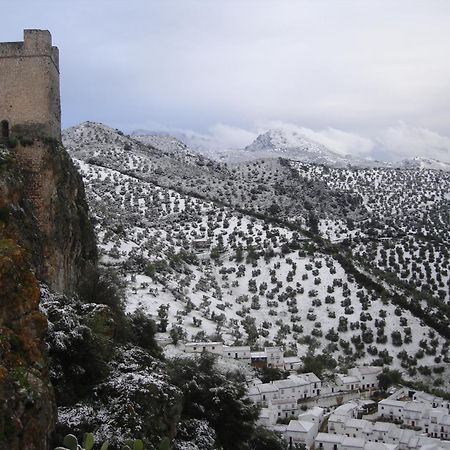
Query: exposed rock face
(45, 234)
(27, 406)
(67, 249)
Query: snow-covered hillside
(407, 232)
(210, 267)
(205, 272)
(165, 143)
(420, 162)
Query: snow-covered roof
(313, 378)
(253, 391)
(242, 348)
(347, 378)
(353, 442)
(292, 359)
(389, 402)
(415, 406)
(341, 418)
(382, 426)
(332, 438)
(299, 380)
(431, 447)
(346, 408)
(258, 355)
(300, 426)
(405, 436)
(425, 397)
(200, 344)
(378, 446)
(357, 423)
(266, 388)
(284, 384)
(273, 349)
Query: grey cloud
(343, 70)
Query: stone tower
(29, 87)
(63, 246)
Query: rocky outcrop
(45, 235)
(27, 406)
(66, 251)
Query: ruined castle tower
(30, 124)
(29, 87)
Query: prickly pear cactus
(71, 442)
(133, 444)
(165, 444)
(88, 441)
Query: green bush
(141, 331)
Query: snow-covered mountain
(420, 162)
(293, 145)
(274, 143)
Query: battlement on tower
(29, 87)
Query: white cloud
(343, 70)
(226, 136)
(341, 142)
(404, 141)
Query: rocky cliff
(45, 235)
(65, 250)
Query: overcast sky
(367, 77)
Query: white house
(391, 409)
(436, 423)
(284, 408)
(200, 347)
(237, 352)
(288, 389)
(381, 431)
(263, 393)
(292, 363)
(314, 415)
(412, 413)
(300, 432)
(275, 357)
(325, 441)
(386, 433)
(347, 382)
(367, 376)
(308, 384)
(357, 428)
(349, 409)
(337, 424)
(351, 443)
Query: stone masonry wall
(29, 85)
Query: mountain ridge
(282, 143)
